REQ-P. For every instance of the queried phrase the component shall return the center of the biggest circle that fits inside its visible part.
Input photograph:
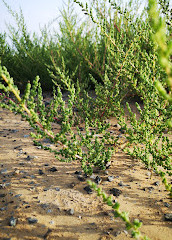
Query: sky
(36, 12)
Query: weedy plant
(120, 55)
(27, 55)
(133, 226)
(86, 147)
(145, 132)
(155, 117)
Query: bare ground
(63, 209)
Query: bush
(125, 55)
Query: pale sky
(36, 12)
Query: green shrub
(125, 55)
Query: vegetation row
(116, 51)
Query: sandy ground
(62, 209)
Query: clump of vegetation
(117, 53)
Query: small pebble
(149, 174)
(150, 189)
(93, 224)
(4, 170)
(122, 130)
(78, 172)
(28, 206)
(2, 195)
(93, 176)
(108, 164)
(111, 132)
(81, 178)
(51, 222)
(53, 169)
(31, 183)
(72, 185)
(32, 176)
(125, 232)
(3, 209)
(26, 136)
(98, 180)
(117, 126)
(166, 204)
(18, 147)
(13, 130)
(110, 178)
(29, 158)
(44, 205)
(168, 216)
(21, 163)
(18, 195)
(88, 189)
(121, 184)
(32, 220)
(116, 192)
(13, 221)
(156, 183)
(16, 172)
(71, 211)
(117, 233)
(40, 172)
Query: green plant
(163, 46)
(146, 132)
(121, 56)
(133, 226)
(32, 108)
(28, 54)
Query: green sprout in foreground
(133, 226)
(164, 48)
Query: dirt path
(34, 186)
